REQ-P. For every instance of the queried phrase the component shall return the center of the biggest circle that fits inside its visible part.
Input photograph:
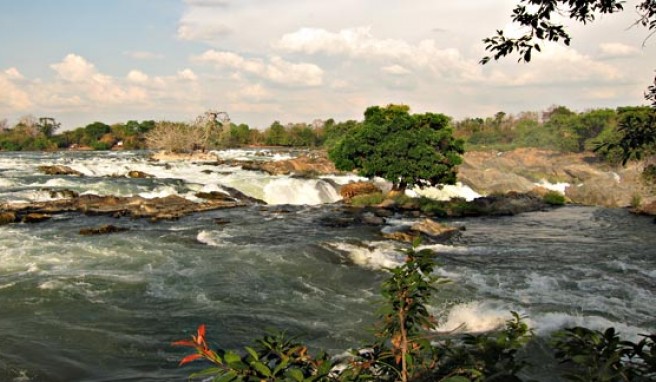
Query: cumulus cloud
(276, 69)
(13, 95)
(187, 75)
(137, 76)
(616, 49)
(396, 70)
(74, 68)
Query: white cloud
(276, 70)
(12, 95)
(13, 74)
(616, 49)
(137, 76)
(74, 68)
(187, 74)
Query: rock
(102, 230)
(59, 170)
(7, 217)
(370, 218)
(214, 195)
(647, 209)
(427, 229)
(311, 164)
(350, 190)
(35, 217)
(221, 221)
(138, 174)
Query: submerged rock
(102, 230)
(67, 194)
(59, 170)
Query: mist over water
(105, 308)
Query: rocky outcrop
(310, 165)
(35, 217)
(350, 190)
(59, 170)
(591, 182)
(170, 207)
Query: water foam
(446, 192)
(558, 187)
(372, 255)
(300, 192)
(475, 317)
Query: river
(106, 308)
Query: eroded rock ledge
(170, 207)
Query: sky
(260, 61)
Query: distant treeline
(558, 128)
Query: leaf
(252, 353)
(189, 358)
(295, 374)
(227, 377)
(231, 357)
(261, 368)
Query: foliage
(602, 356)
(176, 137)
(637, 129)
(536, 17)
(407, 150)
(407, 348)
(368, 199)
(554, 198)
(272, 358)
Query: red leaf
(200, 338)
(190, 358)
(184, 343)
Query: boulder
(138, 174)
(351, 190)
(7, 217)
(102, 230)
(35, 217)
(428, 230)
(59, 170)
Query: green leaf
(252, 353)
(231, 357)
(295, 374)
(261, 368)
(206, 372)
(227, 377)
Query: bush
(554, 198)
(368, 199)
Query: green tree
(276, 135)
(406, 149)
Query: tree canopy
(405, 149)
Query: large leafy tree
(406, 149)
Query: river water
(105, 308)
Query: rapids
(105, 308)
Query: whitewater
(105, 308)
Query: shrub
(554, 198)
(368, 199)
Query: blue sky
(296, 60)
